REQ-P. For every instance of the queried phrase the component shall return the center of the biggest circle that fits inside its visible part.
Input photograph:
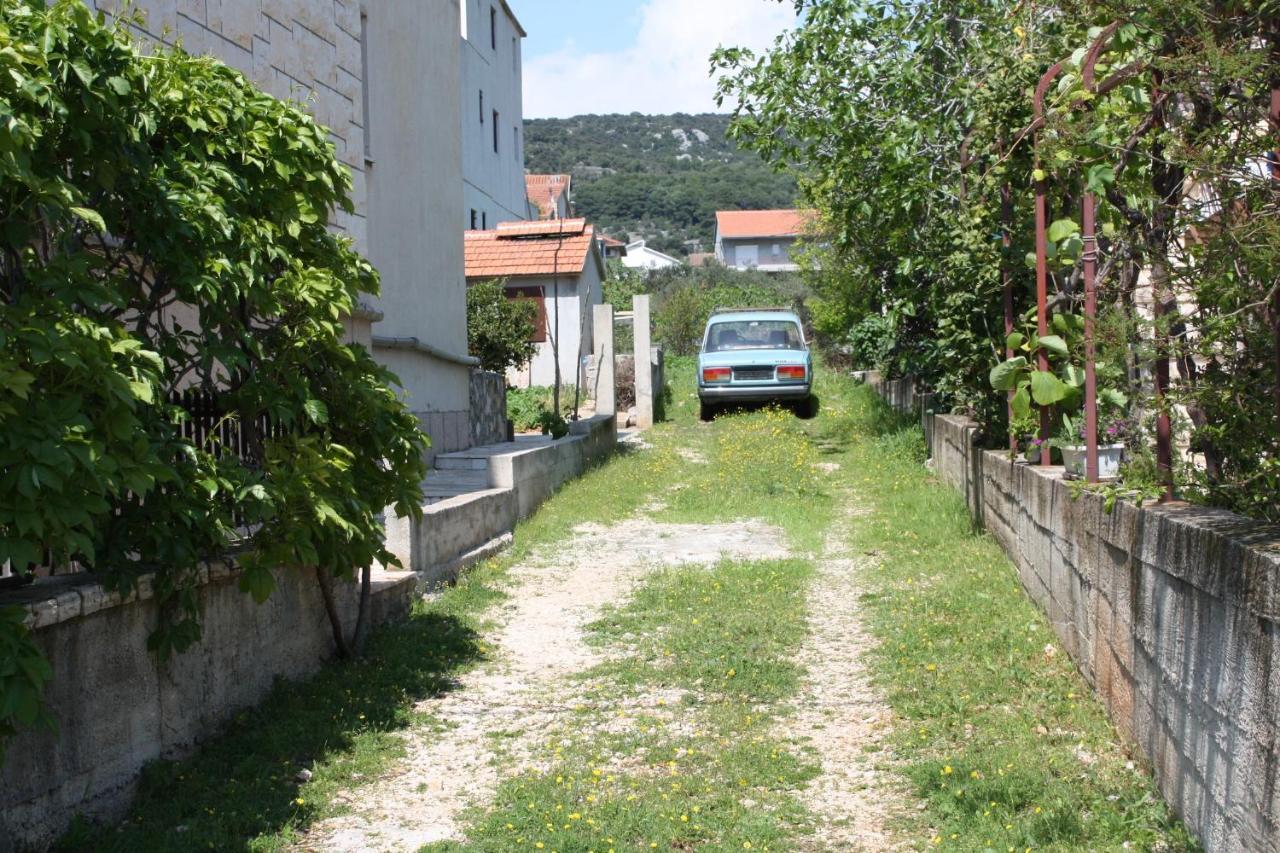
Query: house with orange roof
(550, 196)
(760, 239)
(558, 263)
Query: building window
(495, 131)
(515, 55)
(482, 106)
(364, 86)
(473, 219)
(515, 142)
(493, 28)
(540, 322)
(777, 250)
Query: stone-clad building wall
(300, 50)
(1172, 614)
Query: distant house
(760, 239)
(550, 196)
(698, 260)
(559, 264)
(641, 257)
(613, 249)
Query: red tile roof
(736, 224)
(612, 243)
(544, 192)
(530, 249)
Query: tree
(500, 330)
(905, 124)
(163, 227)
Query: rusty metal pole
(1164, 424)
(1006, 280)
(1275, 301)
(1090, 349)
(1089, 237)
(1042, 253)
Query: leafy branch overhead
(906, 124)
(164, 226)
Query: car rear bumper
(751, 393)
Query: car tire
(706, 411)
(807, 409)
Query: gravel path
(838, 713)
(525, 689)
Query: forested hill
(661, 178)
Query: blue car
(755, 356)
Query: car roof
(752, 316)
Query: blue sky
(552, 24)
(621, 56)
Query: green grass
(1000, 734)
(673, 747)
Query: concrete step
(463, 461)
(451, 483)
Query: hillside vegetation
(660, 178)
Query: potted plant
(1112, 431)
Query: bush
(499, 329)
(134, 185)
(526, 406)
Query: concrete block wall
(1172, 614)
(118, 707)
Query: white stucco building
(559, 264)
(638, 256)
(385, 79)
(492, 115)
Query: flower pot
(1073, 457)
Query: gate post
(644, 369)
(606, 390)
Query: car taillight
(791, 371)
(716, 374)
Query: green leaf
(1062, 229)
(1046, 388)
(1054, 344)
(1038, 175)
(316, 411)
(258, 582)
(1015, 340)
(1004, 376)
(90, 216)
(1099, 176)
(1021, 402)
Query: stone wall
(118, 707)
(488, 408)
(1172, 614)
(302, 50)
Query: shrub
(499, 329)
(132, 186)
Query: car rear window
(753, 334)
